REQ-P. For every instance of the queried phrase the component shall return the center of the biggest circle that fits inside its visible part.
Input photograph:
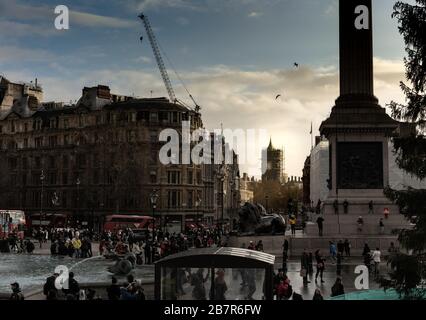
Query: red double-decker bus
(12, 222)
(115, 223)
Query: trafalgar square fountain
(32, 270)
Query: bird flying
(296, 65)
(278, 96)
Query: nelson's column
(359, 132)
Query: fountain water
(31, 271)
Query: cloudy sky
(235, 56)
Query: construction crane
(157, 53)
(158, 57)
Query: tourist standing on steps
(382, 227)
(293, 222)
(320, 222)
(376, 259)
(340, 247)
(285, 245)
(371, 208)
(333, 251)
(347, 245)
(320, 266)
(304, 267)
(336, 207)
(366, 253)
(360, 223)
(346, 207)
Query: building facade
(246, 189)
(273, 168)
(98, 157)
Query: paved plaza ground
(232, 277)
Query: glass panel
(196, 284)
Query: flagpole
(312, 137)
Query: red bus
(47, 221)
(120, 222)
(12, 221)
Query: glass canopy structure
(215, 274)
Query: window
(38, 142)
(66, 140)
(24, 179)
(131, 136)
(173, 177)
(154, 157)
(52, 162)
(65, 161)
(36, 198)
(96, 177)
(38, 124)
(1, 129)
(96, 162)
(12, 180)
(64, 199)
(174, 117)
(25, 163)
(190, 198)
(25, 127)
(199, 179)
(13, 163)
(164, 116)
(53, 124)
(174, 199)
(81, 161)
(53, 141)
(52, 178)
(12, 126)
(35, 179)
(12, 145)
(66, 123)
(98, 120)
(37, 162)
(64, 178)
(154, 117)
(153, 177)
(25, 143)
(190, 177)
(154, 137)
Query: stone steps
(273, 244)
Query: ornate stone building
(96, 158)
(273, 165)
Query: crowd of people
(156, 245)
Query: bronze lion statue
(253, 219)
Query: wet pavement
(31, 272)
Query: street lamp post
(42, 177)
(197, 205)
(266, 203)
(153, 198)
(78, 197)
